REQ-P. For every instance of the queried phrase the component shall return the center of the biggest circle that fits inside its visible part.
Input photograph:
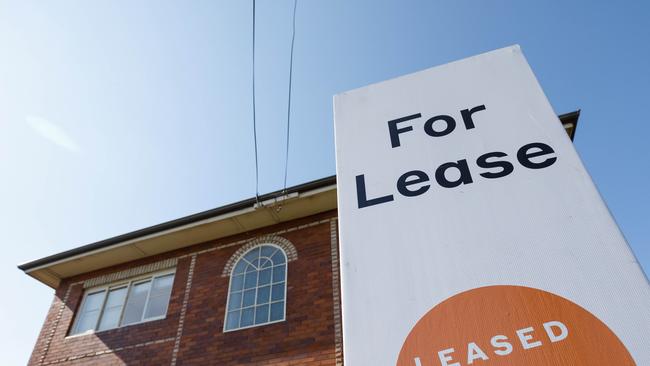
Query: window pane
(86, 321)
(265, 277)
(252, 255)
(234, 301)
(237, 283)
(268, 251)
(233, 320)
(157, 307)
(278, 274)
(162, 286)
(247, 317)
(278, 292)
(249, 298)
(251, 280)
(94, 301)
(239, 268)
(262, 314)
(278, 258)
(110, 318)
(161, 289)
(113, 309)
(89, 312)
(263, 294)
(135, 303)
(116, 297)
(277, 311)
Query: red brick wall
(307, 337)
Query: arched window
(258, 286)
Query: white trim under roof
(274, 210)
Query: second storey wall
(192, 332)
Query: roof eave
(250, 214)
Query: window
(124, 303)
(258, 285)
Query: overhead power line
(293, 41)
(288, 130)
(257, 171)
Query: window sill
(96, 332)
(253, 326)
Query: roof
(570, 122)
(253, 213)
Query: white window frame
(128, 283)
(286, 276)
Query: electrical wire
(257, 172)
(286, 160)
(293, 41)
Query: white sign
(471, 233)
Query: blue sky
(116, 115)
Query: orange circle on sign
(511, 325)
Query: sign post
(470, 231)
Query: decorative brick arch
(289, 250)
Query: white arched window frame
(257, 293)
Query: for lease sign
(471, 233)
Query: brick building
(251, 283)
